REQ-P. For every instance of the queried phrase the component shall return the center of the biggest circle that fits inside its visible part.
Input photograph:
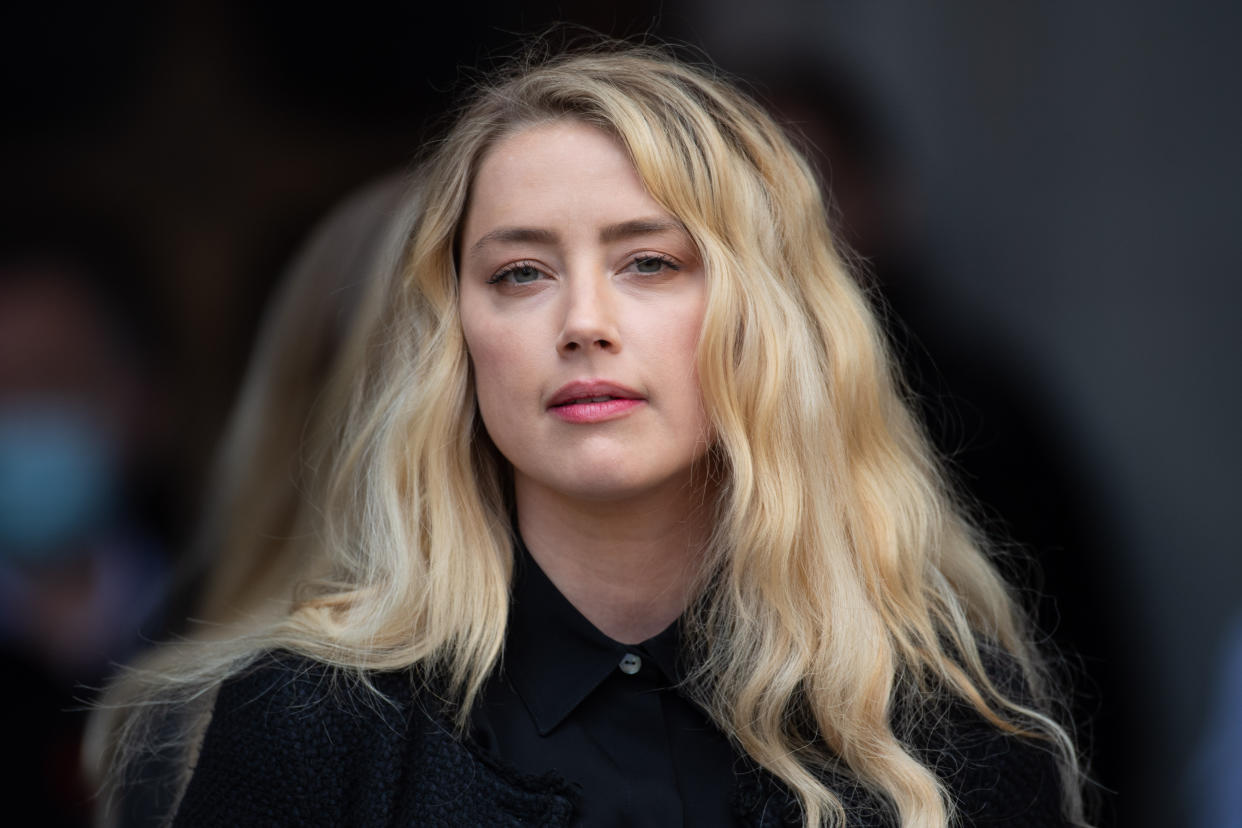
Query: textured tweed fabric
(289, 744)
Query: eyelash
(516, 266)
(656, 257)
(513, 268)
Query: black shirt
(604, 715)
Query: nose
(590, 322)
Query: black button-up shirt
(604, 715)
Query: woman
(622, 518)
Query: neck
(629, 567)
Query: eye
(521, 273)
(651, 264)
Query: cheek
(685, 345)
(497, 406)
(496, 364)
(483, 364)
(676, 343)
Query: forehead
(558, 172)
(532, 146)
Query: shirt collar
(555, 657)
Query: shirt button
(631, 664)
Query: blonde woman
(620, 517)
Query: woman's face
(581, 303)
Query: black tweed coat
(289, 746)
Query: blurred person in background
(1215, 779)
(83, 531)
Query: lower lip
(595, 412)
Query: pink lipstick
(594, 401)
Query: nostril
(570, 344)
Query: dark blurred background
(1047, 196)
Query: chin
(602, 487)
(614, 485)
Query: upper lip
(581, 389)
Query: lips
(593, 402)
(581, 393)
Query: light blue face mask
(57, 479)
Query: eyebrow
(611, 233)
(637, 227)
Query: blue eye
(519, 274)
(653, 264)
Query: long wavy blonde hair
(841, 583)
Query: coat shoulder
(293, 741)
